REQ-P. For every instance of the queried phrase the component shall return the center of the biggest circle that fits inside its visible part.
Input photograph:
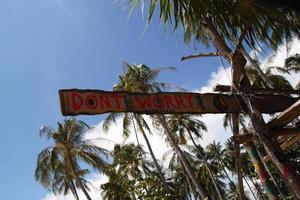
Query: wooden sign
(92, 102)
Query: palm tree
(127, 83)
(58, 165)
(215, 151)
(292, 63)
(190, 125)
(117, 188)
(278, 81)
(225, 161)
(179, 174)
(129, 163)
(131, 175)
(142, 79)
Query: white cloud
(214, 122)
(222, 76)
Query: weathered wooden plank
(285, 146)
(282, 134)
(290, 142)
(92, 102)
(286, 116)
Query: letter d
(77, 101)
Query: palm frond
(111, 118)
(127, 121)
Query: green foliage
(132, 176)
(58, 166)
(270, 25)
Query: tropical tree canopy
(58, 166)
(259, 23)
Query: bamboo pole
(261, 171)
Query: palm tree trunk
(224, 169)
(271, 176)
(249, 177)
(187, 178)
(135, 131)
(217, 39)
(185, 162)
(75, 176)
(235, 130)
(153, 157)
(249, 188)
(258, 188)
(255, 184)
(206, 165)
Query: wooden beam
(286, 116)
(288, 142)
(227, 88)
(287, 133)
(282, 134)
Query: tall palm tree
(142, 79)
(128, 83)
(131, 175)
(292, 63)
(179, 174)
(215, 151)
(190, 125)
(58, 165)
(278, 81)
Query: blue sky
(47, 45)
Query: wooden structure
(92, 102)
